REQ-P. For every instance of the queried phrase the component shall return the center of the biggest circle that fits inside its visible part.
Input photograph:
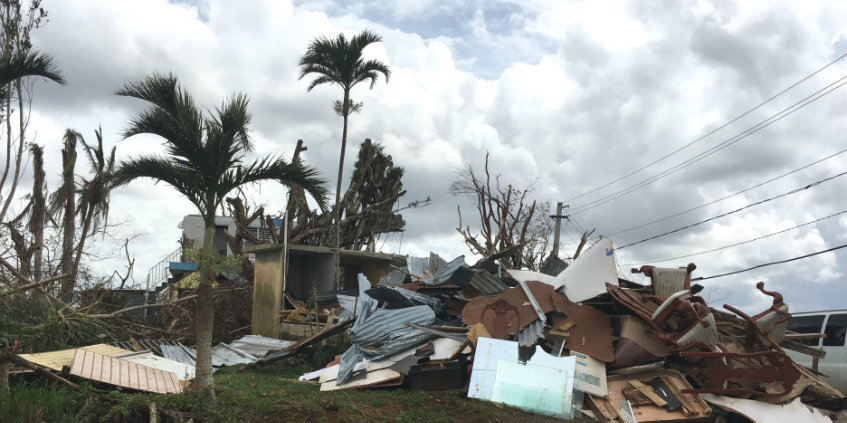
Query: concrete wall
(304, 268)
(267, 294)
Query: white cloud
(574, 94)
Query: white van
(833, 323)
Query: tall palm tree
(339, 61)
(204, 162)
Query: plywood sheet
(123, 373)
(54, 360)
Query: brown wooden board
(114, 371)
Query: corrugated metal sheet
(420, 299)
(383, 324)
(487, 284)
(417, 265)
(436, 263)
(456, 272)
(531, 333)
(394, 277)
(179, 353)
(227, 355)
(258, 346)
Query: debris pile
(578, 342)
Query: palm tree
(204, 162)
(12, 68)
(337, 61)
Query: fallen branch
(30, 284)
(138, 307)
(20, 361)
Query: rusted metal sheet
(123, 373)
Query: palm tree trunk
(336, 257)
(69, 220)
(38, 209)
(205, 315)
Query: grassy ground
(271, 394)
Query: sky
(588, 100)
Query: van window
(806, 324)
(835, 330)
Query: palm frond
(29, 63)
(290, 174)
(161, 169)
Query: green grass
(266, 395)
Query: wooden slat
(106, 371)
(169, 385)
(133, 375)
(97, 366)
(87, 363)
(648, 392)
(160, 381)
(76, 363)
(124, 381)
(116, 372)
(142, 378)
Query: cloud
(571, 95)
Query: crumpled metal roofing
(242, 351)
(420, 299)
(258, 346)
(455, 271)
(356, 353)
(417, 265)
(487, 284)
(382, 324)
(528, 336)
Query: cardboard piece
(590, 375)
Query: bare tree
(508, 221)
(368, 206)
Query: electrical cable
(726, 197)
(742, 135)
(738, 243)
(794, 191)
(770, 264)
(712, 131)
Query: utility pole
(558, 217)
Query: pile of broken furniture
(579, 342)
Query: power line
(710, 132)
(726, 197)
(794, 191)
(742, 135)
(740, 243)
(770, 264)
